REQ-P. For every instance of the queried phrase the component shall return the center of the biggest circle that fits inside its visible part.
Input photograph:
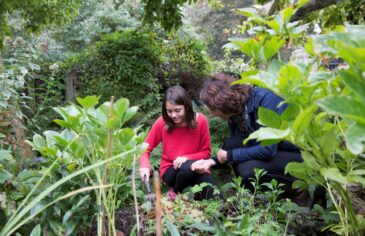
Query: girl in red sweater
(185, 138)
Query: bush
(122, 64)
(185, 62)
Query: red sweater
(181, 141)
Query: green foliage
(123, 64)
(95, 19)
(263, 213)
(184, 61)
(168, 13)
(319, 134)
(80, 147)
(31, 71)
(219, 130)
(35, 14)
(351, 11)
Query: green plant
(80, 147)
(122, 64)
(320, 135)
(33, 73)
(36, 14)
(17, 219)
(184, 61)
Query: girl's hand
(222, 156)
(179, 161)
(202, 166)
(145, 173)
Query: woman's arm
(256, 152)
(270, 101)
(153, 138)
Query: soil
(124, 221)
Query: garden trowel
(151, 197)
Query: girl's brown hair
(178, 96)
(218, 93)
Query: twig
(158, 210)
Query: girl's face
(176, 113)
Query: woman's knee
(185, 174)
(245, 171)
(170, 176)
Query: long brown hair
(178, 96)
(218, 93)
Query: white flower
(54, 67)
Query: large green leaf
(121, 106)
(275, 25)
(290, 113)
(89, 101)
(269, 118)
(333, 174)
(287, 13)
(4, 175)
(271, 47)
(311, 162)
(302, 121)
(129, 114)
(36, 231)
(355, 138)
(328, 142)
(344, 106)
(266, 133)
(203, 227)
(172, 228)
(290, 78)
(250, 47)
(113, 123)
(319, 76)
(299, 29)
(255, 81)
(39, 141)
(355, 83)
(5, 155)
(297, 170)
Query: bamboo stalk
(158, 209)
(108, 144)
(135, 195)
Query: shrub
(184, 62)
(122, 64)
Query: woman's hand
(145, 173)
(179, 161)
(202, 166)
(222, 156)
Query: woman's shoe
(171, 195)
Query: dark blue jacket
(253, 150)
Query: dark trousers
(179, 179)
(274, 167)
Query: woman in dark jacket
(239, 104)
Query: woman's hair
(178, 96)
(218, 93)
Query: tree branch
(274, 7)
(312, 5)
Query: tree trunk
(274, 7)
(1, 64)
(312, 5)
(70, 85)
